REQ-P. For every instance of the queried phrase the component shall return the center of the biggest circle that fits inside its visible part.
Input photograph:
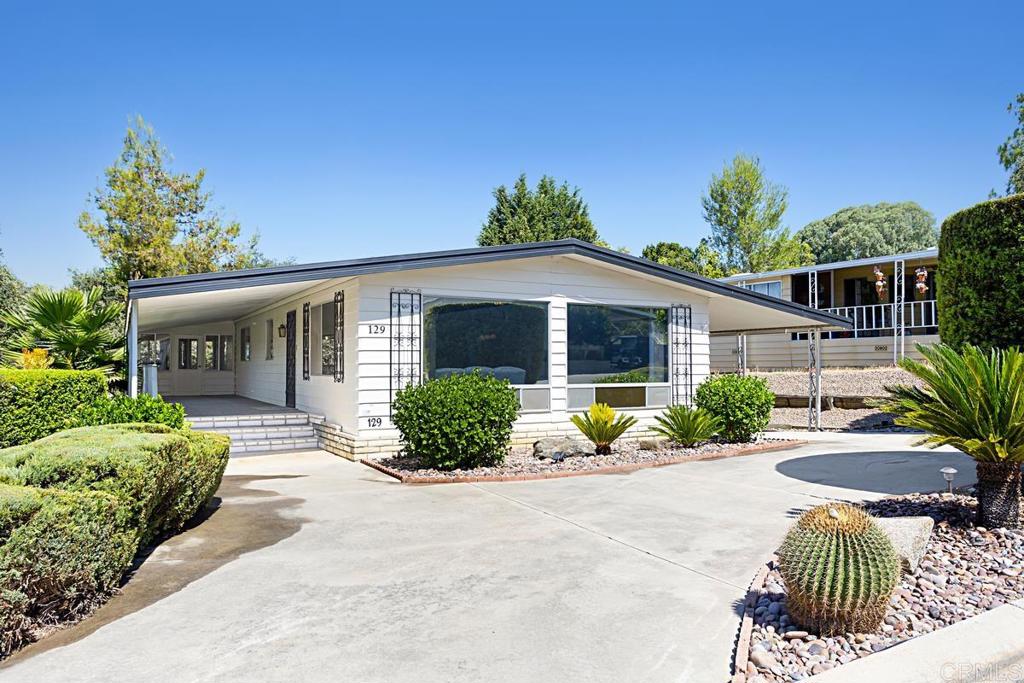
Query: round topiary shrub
(742, 405)
(980, 278)
(457, 422)
(840, 570)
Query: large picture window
(617, 350)
(507, 339)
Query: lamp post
(948, 473)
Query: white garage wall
(264, 380)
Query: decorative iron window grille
(681, 337)
(305, 341)
(339, 338)
(405, 339)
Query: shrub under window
(742, 405)
(457, 422)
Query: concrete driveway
(315, 568)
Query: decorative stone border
(746, 449)
(742, 654)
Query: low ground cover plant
(37, 403)
(742, 405)
(687, 426)
(602, 425)
(76, 506)
(457, 422)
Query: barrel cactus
(840, 570)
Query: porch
(254, 426)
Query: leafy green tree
(74, 326)
(702, 260)
(550, 212)
(870, 230)
(1011, 152)
(155, 223)
(12, 292)
(745, 211)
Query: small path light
(948, 473)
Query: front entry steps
(263, 432)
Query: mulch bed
(965, 571)
(522, 465)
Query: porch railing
(877, 317)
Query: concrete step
(263, 432)
(220, 423)
(271, 445)
(260, 433)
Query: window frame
(185, 359)
(751, 285)
(592, 387)
(244, 343)
(269, 324)
(519, 388)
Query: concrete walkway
(315, 568)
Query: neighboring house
(567, 323)
(887, 320)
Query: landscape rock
(545, 448)
(909, 536)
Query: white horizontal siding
(779, 351)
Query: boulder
(569, 447)
(653, 444)
(909, 536)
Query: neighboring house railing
(918, 317)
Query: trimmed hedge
(123, 409)
(460, 421)
(76, 506)
(36, 403)
(980, 279)
(742, 405)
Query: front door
(289, 362)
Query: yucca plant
(602, 426)
(840, 570)
(687, 426)
(972, 400)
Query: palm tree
(75, 327)
(974, 401)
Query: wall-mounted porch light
(282, 330)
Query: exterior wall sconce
(282, 331)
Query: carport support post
(814, 380)
(133, 349)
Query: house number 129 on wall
(374, 328)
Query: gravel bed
(837, 418)
(965, 571)
(838, 382)
(521, 461)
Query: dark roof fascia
(207, 282)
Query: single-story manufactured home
(890, 299)
(567, 323)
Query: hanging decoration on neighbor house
(880, 284)
(922, 279)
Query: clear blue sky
(346, 131)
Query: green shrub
(35, 403)
(840, 570)
(743, 405)
(687, 426)
(121, 408)
(461, 421)
(980, 288)
(60, 553)
(602, 426)
(75, 507)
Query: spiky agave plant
(602, 426)
(972, 400)
(840, 570)
(687, 426)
